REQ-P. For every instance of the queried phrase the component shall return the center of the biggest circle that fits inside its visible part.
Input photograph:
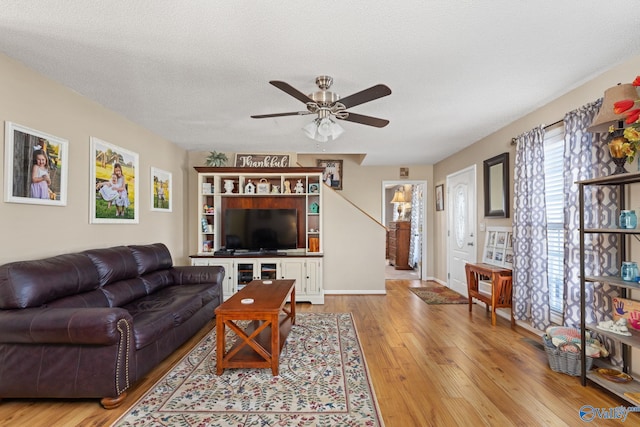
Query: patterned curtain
(415, 249)
(586, 156)
(530, 286)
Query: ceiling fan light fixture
(323, 130)
(311, 129)
(324, 127)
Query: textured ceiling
(194, 71)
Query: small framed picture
(263, 187)
(332, 174)
(498, 247)
(35, 166)
(440, 197)
(161, 190)
(314, 188)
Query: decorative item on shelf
(314, 244)
(621, 150)
(207, 188)
(618, 327)
(314, 208)
(299, 188)
(628, 219)
(619, 120)
(629, 271)
(313, 188)
(203, 224)
(249, 188)
(614, 375)
(263, 186)
(287, 187)
(216, 159)
(275, 189)
(228, 186)
(628, 309)
(207, 246)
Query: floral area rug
(434, 293)
(323, 381)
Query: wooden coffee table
(259, 344)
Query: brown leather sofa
(90, 324)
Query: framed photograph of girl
(114, 184)
(35, 166)
(160, 190)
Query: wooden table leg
(275, 345)
(471, 284)
(293, 306)
(495, 290)
(220, 343)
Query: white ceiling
(194, 71)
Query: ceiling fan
(326, 105)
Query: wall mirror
(496, 186)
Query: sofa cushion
(123, 292)
(113, 264)
(156, 314)
(157, 280)
(207, 292)
(91, 299)
(33, 283)
(151, 257)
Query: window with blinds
(554, 197)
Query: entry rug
(434, 293)
(323, 381)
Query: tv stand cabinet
(306, 270)
(225, 188)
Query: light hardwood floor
(431, 365)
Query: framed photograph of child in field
(35, 166)
(160, 190)
(114, 184)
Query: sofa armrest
(98, 326)
(197, 274)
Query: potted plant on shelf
(216, 159)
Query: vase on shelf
(228, 186)
(618, 153)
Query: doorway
(461, 226)
(412, 209)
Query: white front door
(461, 224)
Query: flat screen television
(260, 229)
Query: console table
(501, 285)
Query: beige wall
(34, 231)
(500, 142)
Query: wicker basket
(566, 362)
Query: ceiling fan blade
(286, 87)
(374, 92)
(295, 113)
(366, 120)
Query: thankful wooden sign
(262, 160)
